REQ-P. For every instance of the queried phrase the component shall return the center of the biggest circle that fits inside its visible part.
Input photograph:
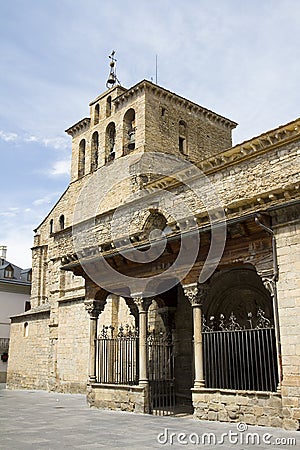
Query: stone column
(196, 294)
(143, 305)
(94, 308)
(270, 284)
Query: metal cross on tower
(112, 78)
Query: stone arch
(182, 137)
(96, 114)
(155, 220)
(239, 290)
(129, 131)
(61, 222)
(110, 142)
(108, 106)
(94, 151)
(81, 158)
(116, 314)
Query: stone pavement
(41, 420)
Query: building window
(9, 272)
(94, 149)
(182, 139)
(96, 114)
(27, 306)
(129, 131)
(25, 331)
(29, 276)
(62, 222)
(81, 159)
(51, 226)
(110, 142)
(108, 106)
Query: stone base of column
(146, 407)
(199, 384)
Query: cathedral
(166, 277)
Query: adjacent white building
(15, 284)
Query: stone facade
(257, 183)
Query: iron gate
(237, 357)
(161, 373)
(117, 355)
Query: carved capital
(196, 293)
(191, 291)
(94, 307)
(142, 303)
(269, 284)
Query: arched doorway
(170, 353)
(239, 342)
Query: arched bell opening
(129, 130)
(110, 142)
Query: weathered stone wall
(253, 408)
(72, 347)
(204, 137)
(288, 289)
(117, 397)
(28, 367)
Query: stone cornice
(249, 149)
(234, 212)
(42, 309)
(163, 93)
(253, 147)
(79, 127)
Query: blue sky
(238, 58)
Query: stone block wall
(117, 397)
(28, 368)
(72, 347)
(288, 289)
(252, 408)
(204, 136)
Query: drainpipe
(275, 297)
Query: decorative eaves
(79, 127)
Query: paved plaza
(42, 420)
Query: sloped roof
(18, 272)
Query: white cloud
(59, 168)
(45, 200)
(7, 214)
(41, 201)
(58, 143)
(31, 139)
(18, 247)
(8, 137)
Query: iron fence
(161, 373)
(117, 357)
(241, 358)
